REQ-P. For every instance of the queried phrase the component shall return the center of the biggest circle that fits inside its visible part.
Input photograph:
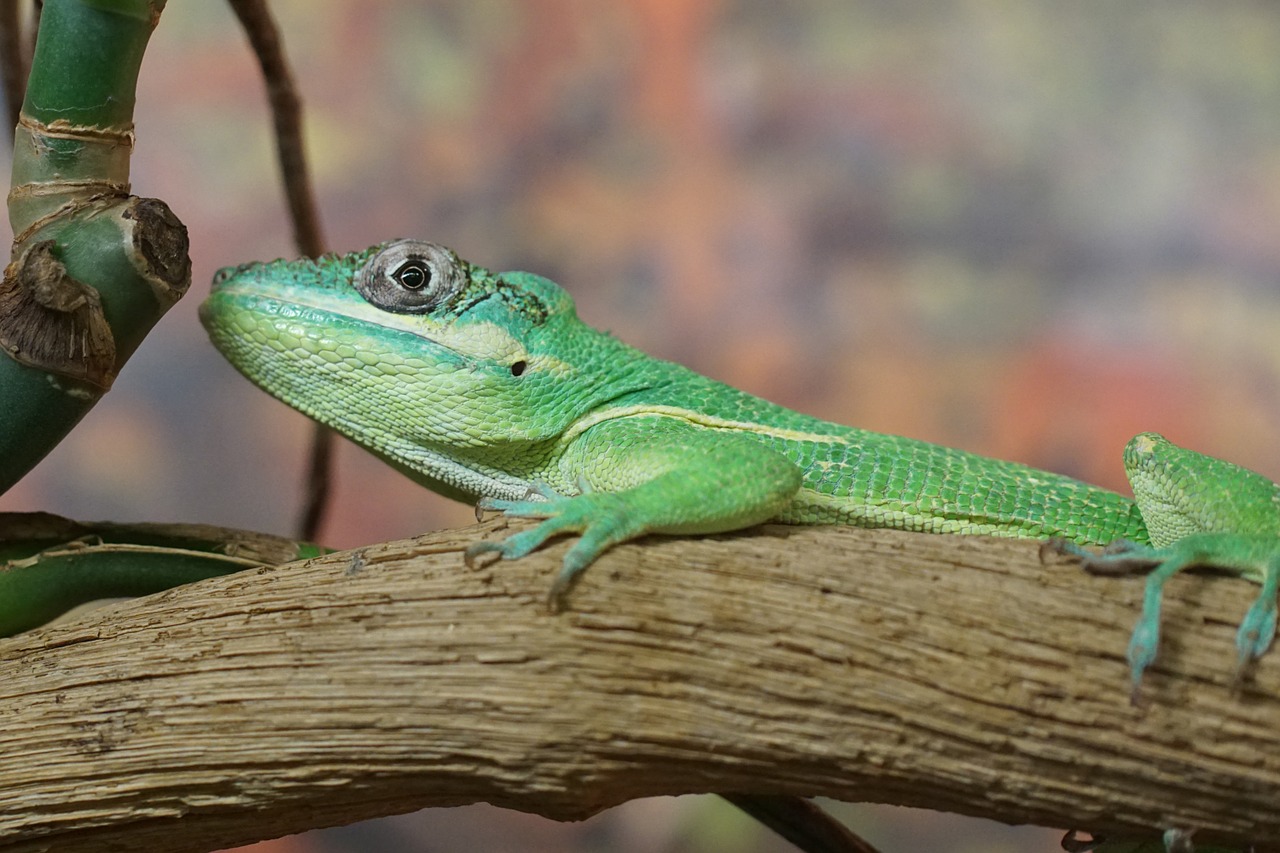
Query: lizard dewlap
(487, 387)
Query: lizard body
(487, 387)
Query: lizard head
(406, 339)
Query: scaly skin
(487, 387)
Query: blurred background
(1029, 229)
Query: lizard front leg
(649, 474)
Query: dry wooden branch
(945, 672)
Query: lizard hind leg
(1161, 564)
(1252, 556)
(1207, 513)
(1258, 629)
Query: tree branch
(950, 673)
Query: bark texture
(953, 673)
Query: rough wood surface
(952, 673)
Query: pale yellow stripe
(698, 419)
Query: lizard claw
(471, 556)
(1061, 547)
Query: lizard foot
(600, 517)
(1252, 556)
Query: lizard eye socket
(411, 277)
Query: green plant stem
(92, 268)
(50, 564)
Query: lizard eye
(411, 277)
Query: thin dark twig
(802, 822)
(286, 113)
(319, 482)
(13, 59)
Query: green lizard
(486, 386)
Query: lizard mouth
(293, 314)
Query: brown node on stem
(51, 321)
(160, 240)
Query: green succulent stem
(50, 564)
(92, 268)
